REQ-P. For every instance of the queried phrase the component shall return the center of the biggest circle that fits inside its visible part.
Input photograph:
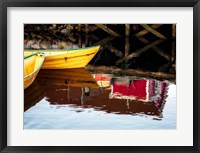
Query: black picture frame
(4, 4)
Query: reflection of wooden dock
(131, 72)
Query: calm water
(77, 99)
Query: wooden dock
(88, 35)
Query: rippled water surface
(78, 99)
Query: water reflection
(67, 77)
(77, 88)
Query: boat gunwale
(38, 66)
(61, 50)
(58, 57)
(67, 52)
(25, 57)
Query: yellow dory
(32, 65)
(63, 59)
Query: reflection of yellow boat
(62, 59)
(32, 65)
(68, 77)
(33, 95)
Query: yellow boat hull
(32, 65)
(65, 59)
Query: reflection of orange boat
(103, 80)
(33, 95)
(68, 77)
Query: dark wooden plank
(155, 48)
(145, 31)
(108, 30)
(147, 27)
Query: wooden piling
(173, 59)
(174, 31)
(127, 46)
(127, 30)
(86, 28)
(79, 28)
(86, 40)
(86, 34)
(79, 41)
(127, 43)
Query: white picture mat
(182, 136)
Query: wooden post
(79, 28)
(127, 29)
(127, 43)
(86, 40)
(86, 28)
(86, 34)
(173, 59)
(174, 31)
(79, 41)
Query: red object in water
(145, 90)
(136, 89)
(101, 77)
